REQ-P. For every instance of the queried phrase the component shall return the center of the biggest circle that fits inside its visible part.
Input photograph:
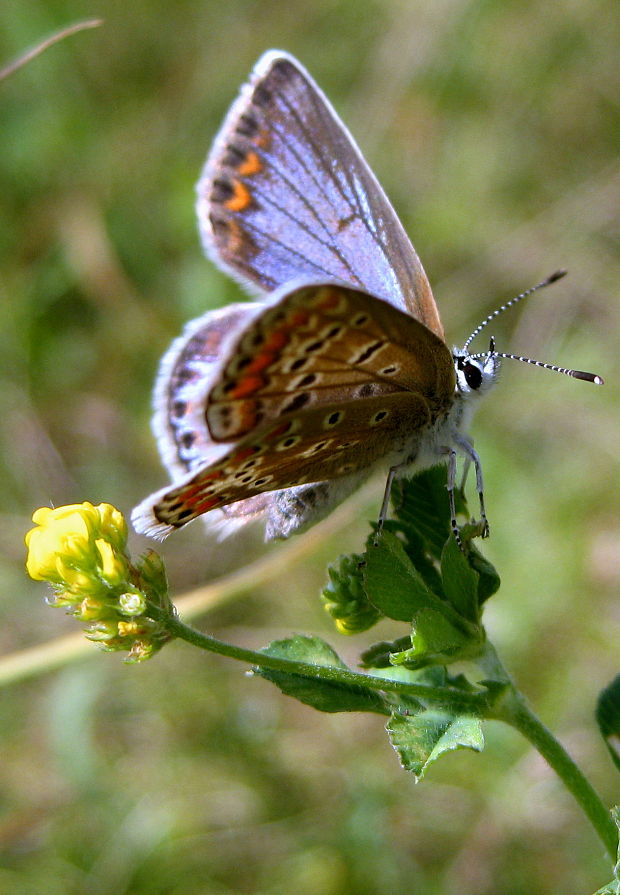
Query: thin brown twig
(48, 42)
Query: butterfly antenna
(575, 374)
(557, 275)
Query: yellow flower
(60, 531)
(112, 524)
(112, 565)
(103, 631)
(89, 609)
(75, 541)
(132, 629)
(80, 550)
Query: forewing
(286, 193)
(321, 345)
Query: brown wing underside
(323, 443)
(323, 345)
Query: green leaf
(378, 655)
(440, 634)
(460, 581)
(489, 580)
(319, 692)
(608, 718)
(435, 641)
(421, 503)
(422, 738)
(325, 696)
(392, 583)
(416, 550)
(304, 648)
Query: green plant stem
(512, 709)
(447, 697)
(509, 706)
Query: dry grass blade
(48, 42)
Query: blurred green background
(494, 129)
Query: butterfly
(279, 409)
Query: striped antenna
(557, 275)
(575, 374)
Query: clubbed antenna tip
(575, 374)
(554, 276)
(588, 377)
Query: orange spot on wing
(188, 492)
(237, 238)
(211, 476)
(247, 386)
(205, 505)
(276, 340)
(262, 139)
(247, 416)
(261, 362)
(250, 165)
(298, 318)
(241, 199)
(327, 300)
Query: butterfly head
(475, 373)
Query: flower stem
(512, 709)
(447, 697)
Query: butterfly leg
(465, 473)
(383, 512)
(472, 456)
(452, 456)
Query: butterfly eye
(473, 376)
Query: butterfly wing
(308, 448)
(325, 344)
(188, 370)
(285, 193)
(380, 378)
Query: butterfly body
(279, 409)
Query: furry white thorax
(475, 376)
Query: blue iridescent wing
(286, 193)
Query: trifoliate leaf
(422, 738)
